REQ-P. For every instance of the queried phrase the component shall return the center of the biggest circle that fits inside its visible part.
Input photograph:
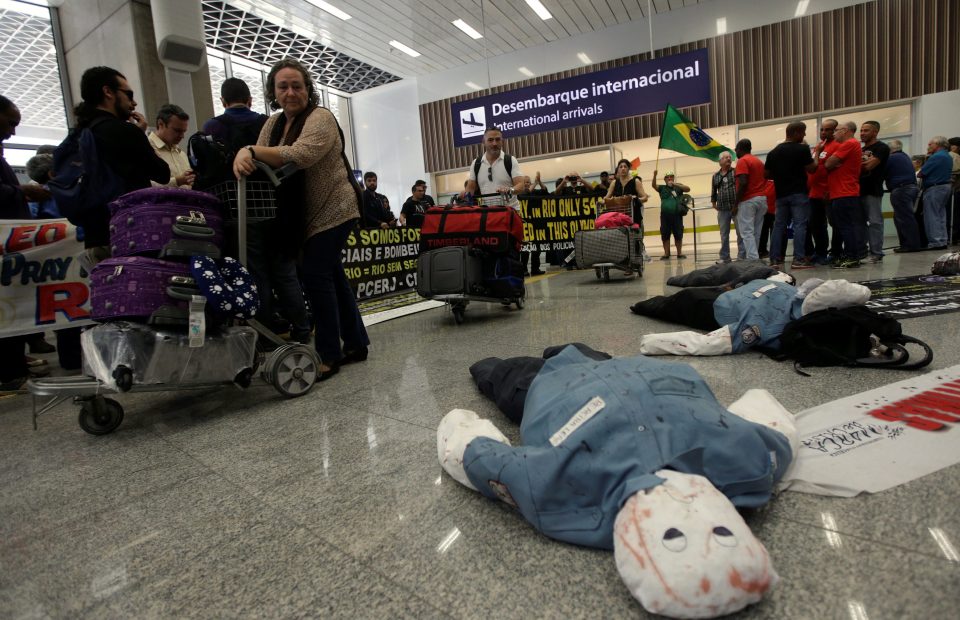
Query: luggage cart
(470, 290)
(588, 244)
(291, 368)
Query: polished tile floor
(229, 504)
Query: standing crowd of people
(839, 182)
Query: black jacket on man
(124, 147)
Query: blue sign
(632, 90)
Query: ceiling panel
(358, 47)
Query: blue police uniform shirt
(594, 433)
(899, 171)
(757, 312)
(936, 170)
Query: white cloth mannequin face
(684, 551)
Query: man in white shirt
(171, 128)
(494, 174)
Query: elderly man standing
(902, 183)
(723, 198)
(935, 175)
(751, 198)
(171, 128)
(788, 165)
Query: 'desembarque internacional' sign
(631, 90)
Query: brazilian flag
(680, 134)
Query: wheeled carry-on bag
(121, 354)
(449, 271)
(166, 222)
(141, 289)
(498, 230)
(621, 247)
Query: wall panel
(868, 53)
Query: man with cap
(671, 222)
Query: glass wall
(30, 77)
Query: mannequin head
(684, 551)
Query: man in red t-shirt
(843, 188)
(751, 199)
(818, 240)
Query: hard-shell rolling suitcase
(122, 354)
(449, 271)
(622, 247)
(141, 289)
(166, 222)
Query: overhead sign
(631, 90)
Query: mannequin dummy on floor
(637, 455)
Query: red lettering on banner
(20, 239)
(51, 233)
(937, 401)
(891, 413)
(66, 297)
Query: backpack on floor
(855, 336)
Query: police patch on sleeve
(750, 335)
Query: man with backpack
(126, 160)
(495, 171)
(239, 125)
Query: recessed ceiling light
(584, 58)
(403, 48)
(474, 86)
(722, 25)
(801, 8)
(329, 8)
(526, 72)
(464, 26)
(539, 9)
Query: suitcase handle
(182, 293)
(193, 230)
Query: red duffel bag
(498, 230)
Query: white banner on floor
(879, 439)
(40, 283)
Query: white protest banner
(876, 440)
(40, 283)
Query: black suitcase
(450, 271)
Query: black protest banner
(913, 296)
(381, 261)
(550, 222)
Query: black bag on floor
(855, 336)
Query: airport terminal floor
(229, 503)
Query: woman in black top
(625, 185)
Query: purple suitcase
(162, 221)
(140, 289)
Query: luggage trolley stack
(143, 305)
(611, 248)
(471, 253)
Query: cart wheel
(124, 378)
(606, 274)
(99, 415)
(458, 312)
(599, 273)
(518, 302)
(292, 369)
